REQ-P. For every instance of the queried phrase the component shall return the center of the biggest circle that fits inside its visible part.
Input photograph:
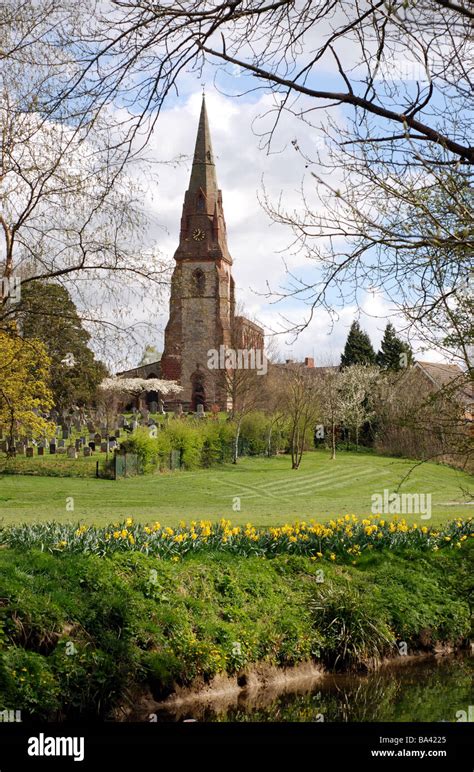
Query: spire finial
(203, 90)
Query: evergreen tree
(358, 349)
(47, 313)
(394, 353)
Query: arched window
(199, 281)
(200, 203)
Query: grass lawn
(269, 492)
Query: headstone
(135, 425)
(90, 427)
(112, 442)
(83, 440)
(71, 452)
(40, 450)
(62, 450)
(78, 444)
(61, 443)
(29, 452)
(87, 451)
(97, 438)
(52, 448)
(121, 422)
(92, 446)
(200, 411)
(104, 447)
(20, 449)
(179, 409)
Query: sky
(259, 247)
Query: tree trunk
(333, 439)
(235, 450)
(269, 442)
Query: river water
(422, 689)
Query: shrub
(188, 438)
(353, 632)
(146, 447)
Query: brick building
(202, 303)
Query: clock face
(198, 234)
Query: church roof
(203, 173)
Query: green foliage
(358, 349)
(188, 438)
(354, 632)
(46, 312)
(114, 624)
(394, 353)
(147, 448)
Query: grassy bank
(81, 632)
(264, 490)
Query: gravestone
(135, 425)
(29, 452)
(71, 452)
(40, 450)
(20, 449)
(179, 410)
(200, 411)
(90, 427)
(97, 438)
(104, 447)
(87, 451)
(120, 422)
(78, 444)
(61, 443)
(92, 445)
(61, 450)
(52, 448)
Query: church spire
(203, 173)
(203, 231)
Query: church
(202, 314)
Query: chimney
(308, 362)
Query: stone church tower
(202, 288)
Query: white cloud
(257, 245)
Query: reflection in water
(431, 689)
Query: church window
(199, 282)
(200, 205)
